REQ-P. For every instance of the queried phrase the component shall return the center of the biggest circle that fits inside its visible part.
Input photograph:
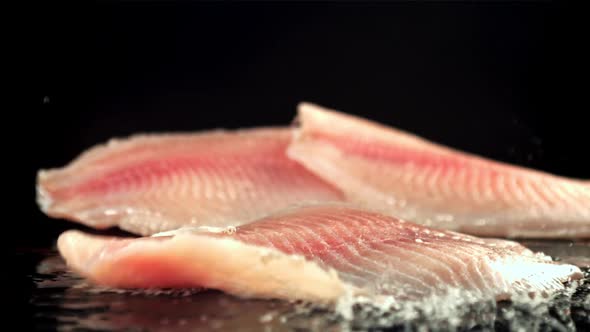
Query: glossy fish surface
(319, 253)
(403, 175)
(151, 183)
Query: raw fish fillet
(151, 183)
(400, 174)
(318, 253)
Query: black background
(504, 80)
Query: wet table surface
(60, 300)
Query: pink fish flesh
(400, 174)
(151, 183)
(318, 253)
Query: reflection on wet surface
(62, 301)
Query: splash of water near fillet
(151, 183)
(320, 254)
(400, 174)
